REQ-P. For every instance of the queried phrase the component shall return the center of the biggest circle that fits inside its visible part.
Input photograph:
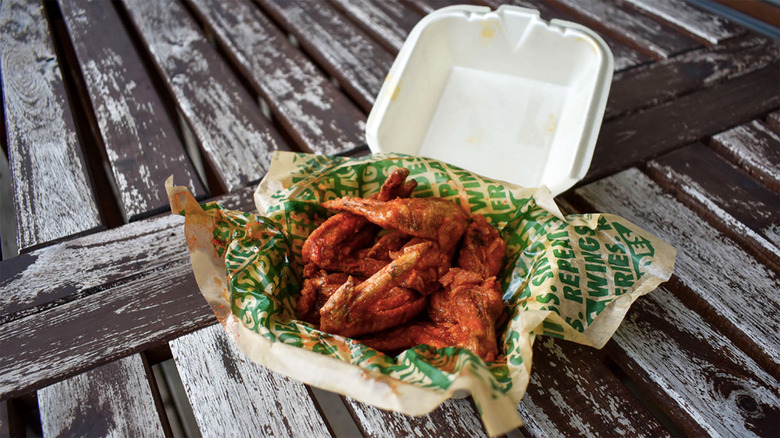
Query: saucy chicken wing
(430, 218)
(482, 250)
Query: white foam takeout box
(501, 93)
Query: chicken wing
(378, 302)
(482, 250)
(430, 218)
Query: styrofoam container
(501, 93)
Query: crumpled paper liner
(569, 277)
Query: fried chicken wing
(396, 186)
(430, 218)
(483, 248)
(317, 288)
(378, 302)
(402, 337)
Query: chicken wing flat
(430, 218)
(482, 250)
(378, 302)
(402, 337)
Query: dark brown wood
(636, 137)
(149, 300)
(662, 81)
(115, 399)
(357, 62)
(236, 139)
(624, 56)
(572, 393)
(711, 271)
(313, 112)
(388, 21)
(139, 137)
(773, 121)
(228, 392)
(710, 27)
(655, 38)
(44, 153)
(457, 418)
(727, 197)
(755, 148)
(698, 377)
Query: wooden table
(104, 100)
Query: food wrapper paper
(570, 277)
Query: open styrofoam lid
(501, 93)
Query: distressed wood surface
(44, 153)
(231, 394)
(357, 62)
(697, 375)
(112, 400)
(457, 418)
(755, 148)
(313, 112)
(773, 121)
(636, 137)
(146, 303)
(662, 81)
(703, 24)
(388, 22)
(624, 56)
(226, 120)
(727, 284)
(653, 37)
(572, 393)
(741, 207)
(141, 142)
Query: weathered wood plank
(727, 285)
(755, 148)
(654, 37)
(228, 392)
(75, 269)
(624, 56)
(730, 199)
(572, 393)
(701, 23)
(143, 303)
(112, 400)
(314, 113)
(697, 375)
(237, 140)
(139, 137)
(773, 121)
(388, 21)
(636, 137)
(653, 84)
(44, 153)
(357, 62)
(453, 418)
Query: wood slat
(313, 112)
(112, 400)
(740, 206)
(226, 120)
(44, 153)
(654, 37)
(697, 375)
(139, 137)
(230, 393)
(773, 121)
(701, 23)
(624, 56)
(650, 85)
(755, 148)
(148, 300)
(388, 22)
(357, 62)
(725, 283)
(457, 418)
(572, 393)
(636, 137)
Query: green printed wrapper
(570, 277)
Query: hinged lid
(501, 93)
